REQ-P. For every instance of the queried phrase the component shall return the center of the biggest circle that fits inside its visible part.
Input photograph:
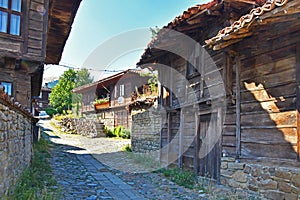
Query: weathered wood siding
(268, 96)
(21, 83)
(36, 25)
(31, 44)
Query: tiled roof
(195, 12)
(120, 74)
(245, 21)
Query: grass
(37, 182)
(180, 177)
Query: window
(7, 87)
(10, 16)
(116, 92)
(122, 89)
(194, 65)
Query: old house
(32, 33)
(113, 94)
(229, 94)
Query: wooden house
(32, 33)
(234, 95)
(117, 90)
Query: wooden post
(298, 97)
(202, 66)
(196, 144)
(180, 152)
(169, 138)
(238, 107)
(219, 143)
(160, 140)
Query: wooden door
(209, 154)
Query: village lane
(97, 168)
(81, 176)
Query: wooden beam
(238, 106)
(168, 137)
(219, 143)
(298, 97)
(180, 152)
(160, 140)
(196, 144)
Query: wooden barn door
(208, 151)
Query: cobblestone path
(91, 169)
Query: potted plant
(101, 103)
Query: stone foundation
(15, 145)
(270, 181)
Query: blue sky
(99, 20)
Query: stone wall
(270, 181)
(145, 131)
(86, 127)
(15, 144)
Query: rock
(285, 187)
(283, 174)
(296, 180)
(256, 172)
(224, 165)
(291, 196)
(275, 195)
(228, 159)
(247, 169)
(268, 184)
(240, 176)
(236, 165)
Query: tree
(83, 77)
(61, 96)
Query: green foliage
(125, 133)
(83, 77)
(37, 182)
(180, 176)
(127, 148)
(61, 96)
(154, 31)
(152, 81)
(118, 131)
(100, 101)
(51, 111)
(108, 132)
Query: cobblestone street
(78, 166)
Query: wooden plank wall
(37, 27)
(268, 96)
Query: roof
(60, 19)
(240, 28)
(196, 18)
(107, 79)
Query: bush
(108, 132)
(51, 111)
(118, 131)
(125, 133)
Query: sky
(102, 27)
